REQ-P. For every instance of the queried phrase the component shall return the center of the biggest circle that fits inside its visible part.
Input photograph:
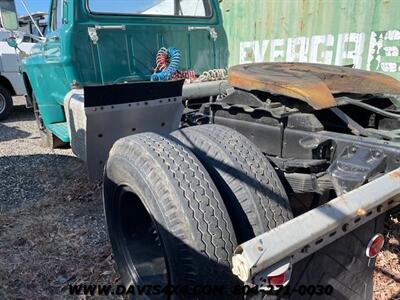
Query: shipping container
(363, 33)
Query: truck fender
(29, 90)
(5, 82)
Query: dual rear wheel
(178, 205)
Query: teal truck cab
(90, 44)
(281, 174)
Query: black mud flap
(103, 114)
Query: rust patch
(361, 212)
(315, 84)
(395, 174)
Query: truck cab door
(48, 70)
(54, 62)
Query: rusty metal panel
(315, 84)
(365, 33)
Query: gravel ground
(387, 267)
(52, 230)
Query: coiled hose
(188, 75)
(213, 75)
(168, 62)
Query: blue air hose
(171, 60)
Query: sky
(43, 5)
(33, 5)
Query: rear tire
(234, 162)
(166, 220)
(6, 103)
(253, 194)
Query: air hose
(168, 62)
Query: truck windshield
(188, 8)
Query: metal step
(60, 130)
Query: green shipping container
(363, 33)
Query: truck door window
(56, 14)
(183, 8)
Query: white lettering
(321, 49)
(383, 52)
(297, 49)
(277, 53)
(251, 51)
(345, 55)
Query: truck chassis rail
(307, 233)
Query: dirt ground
(52, 230)
(387, 267)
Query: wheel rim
(139, 241)
(3, 103)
